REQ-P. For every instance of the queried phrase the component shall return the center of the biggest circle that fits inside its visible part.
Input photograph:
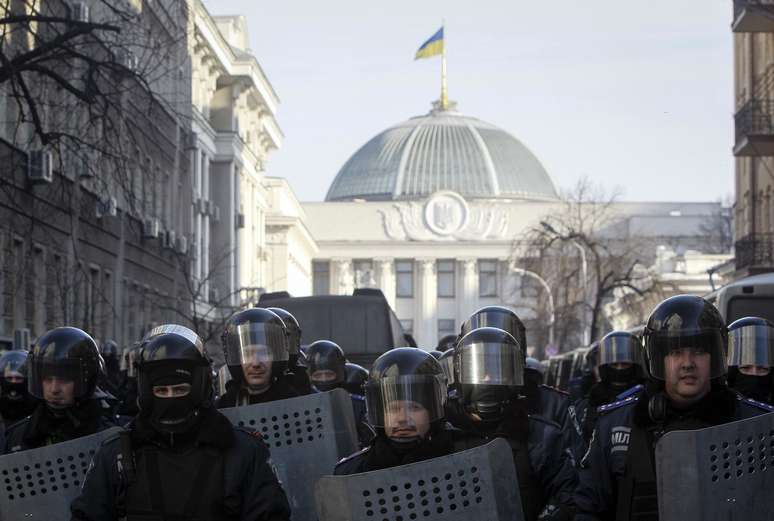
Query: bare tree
(718, 228)
(587, 226)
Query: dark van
(363, 324)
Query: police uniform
(618, 481)
(220, 472)
(43, 428)
(236, 395)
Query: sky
(633, 95)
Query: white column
(385, 273)
(344, 277)
(467, 299)
(205, 253)
(426, 320)
(197, 217)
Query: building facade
(753, 28)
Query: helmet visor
(751, 345)
(395, 395)
(703, 348)
(48, 377)
(256, 343)
(620, 350)
(490, 364)
(447, 364)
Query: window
(487, 278)
(408, 325)
(321, 278)
(445, 327)
(404, 278)
(445, 270)
(364, 274)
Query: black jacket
(218, 472)
(235, 395)
(44, 427)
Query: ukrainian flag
(432, 47)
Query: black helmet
(685, 321)
(446, 343)
(536, 368)
(405, 374)
(13, 364)
(620, 347)
(255, 335)
(109, 349)
(294, 331)
(325, 355)
(501, 318)
(357, 376)
(488, 371)
(751, 342)
(171, 355)
(436, 354)
(68, 353)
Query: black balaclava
(15, 401)
(489, 402)
(755, 387)
(173, 415)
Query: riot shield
(307, 436)
(478, 484)
(719, 473)
(41, 483)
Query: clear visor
(389, 397)
(256, 343)
(751, 345)
(489, 364)
(620, 350)
(447, 364)
(705, 348)
(46, 373)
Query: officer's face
(406, 419)
(754, 370)
(257, 374)
(59, 392)
(323, 376)
(687, 375)
(621, 366)
(171, 391)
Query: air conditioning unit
(107, 208)
(150, 228)
(182, 245)
(79, 12)
(215, 213)
(21, 339)
(192, 140)
(170, 239)
(40, 166)
(240, 220)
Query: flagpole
(444, 93)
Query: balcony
(753, 16)
(754, 124)
(755, 250)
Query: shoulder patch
(758, 405)
(554, 389)
(604, 409)
(353, 455)
(630, 392)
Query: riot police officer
(63, 368)
(296, 371)
(751, 357)
(685, 352)
(621, 370)
(356, 377)
(180, 458)
(546, 401)
(110, 379)
(489, 375)
(255, 343)
(128, 407)
(15, 401)
(446, 343)
(327, 367)
(405, 392)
